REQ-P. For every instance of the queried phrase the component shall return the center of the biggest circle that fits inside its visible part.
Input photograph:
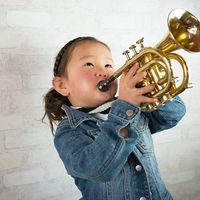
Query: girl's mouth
(103, 85)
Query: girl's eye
(88, 64)
(108, 66)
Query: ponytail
(53, 103)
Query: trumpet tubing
(184, 32)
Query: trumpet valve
(161, 81)
(140, 42)
(126, 53)
(133, 48)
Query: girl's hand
(127, 87)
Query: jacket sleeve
(102, 158)
(166, 116)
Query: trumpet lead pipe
(104, 85)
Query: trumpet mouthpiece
(104, 85)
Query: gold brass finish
(184, 33)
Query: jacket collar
(76, 117)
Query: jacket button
(129, 113)
(142, 198)
(138, 168)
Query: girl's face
(90, 63)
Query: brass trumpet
(184, 32)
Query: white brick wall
(28, 19)
(31, 33)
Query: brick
(26, 64)
(183, 147)
(20, 101)
(37, 81)
(45, 190)
(191, 134)
(2, 17)
(6, 106)
(9, 194)
(13, 3)
(56, 171)
(33, 121)
(33, 157)
(186, 162)
(10, 38)
(11, 121)
(60, 20)
(189, 190)
(167, 136)
(60, 4)
(22, 138)
(23, 177)
(1, 142)
(5, 63)
(11, 160)
(10, 81)
(28, 19)
(29, 64)
(180, 176)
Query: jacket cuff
(124, 111)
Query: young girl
(105, 142)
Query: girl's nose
(101, 74)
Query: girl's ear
(60, 86)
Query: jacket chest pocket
(91, 129)
(93, 133)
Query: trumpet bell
(184, 32)
(185, 29)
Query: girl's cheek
(83, 81)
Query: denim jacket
(108, 166)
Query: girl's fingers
(140, 93)
(137, 78)
(144, 99)
(144, 90)
(132, 71)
